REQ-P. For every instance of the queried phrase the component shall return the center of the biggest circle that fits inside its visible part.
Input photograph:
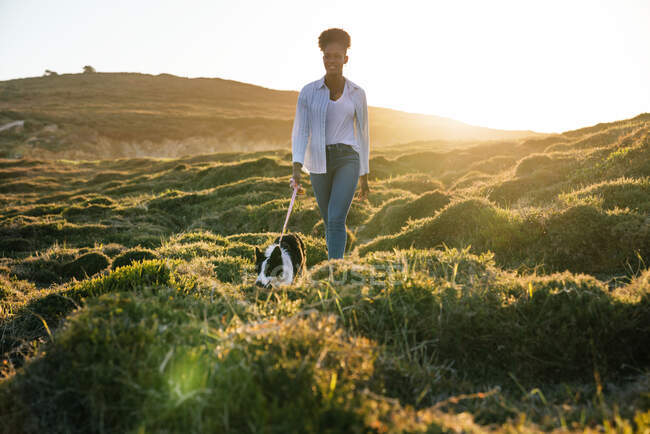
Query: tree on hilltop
(89, 69)
(50, 73)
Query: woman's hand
(364, 189)
(295, 178)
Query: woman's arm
(300, 132)
(364, 158)
(365, 136)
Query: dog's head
(272, 266)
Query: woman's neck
(334, 81)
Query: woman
(325, 142)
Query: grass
(502, 288)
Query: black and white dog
(280, 264)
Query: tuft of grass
(474, 221)
(630, 193)
(395, 213)
(85, 265)
(190, 374)
(129, 256)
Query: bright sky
(544, 65)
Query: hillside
(111, 115)
(500, 287)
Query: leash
(286, 220)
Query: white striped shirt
(308, 135)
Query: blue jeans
(334, 192)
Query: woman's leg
(322, 184)
(345, 177)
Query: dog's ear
(258, 254)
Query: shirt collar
(321, 82)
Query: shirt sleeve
(365, 137)
(301, 131)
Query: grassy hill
(497, 287)
(109, 115)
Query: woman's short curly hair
(334, 35)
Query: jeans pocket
(349, 150)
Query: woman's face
(334, 58)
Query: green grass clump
(127, 278)
(11, 245)
(225, 173)
(457, 266)
(527, 166)
(541, 330)
(85, 265)
(81, 213)
(631, 193)
(150, 365)
(581, 239)
(584, 238)
(112, 249)
(37, 315)
(469, 179)
(232, 269)
(264, 216)
(259, 239)
(342, 272)
(395, 213)
(494, 164)
(474, 221)
(132, 255)
(537, 178)
(417, 183)
(45, 268)
(198, 236)
(188, 251)
(425, 161)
